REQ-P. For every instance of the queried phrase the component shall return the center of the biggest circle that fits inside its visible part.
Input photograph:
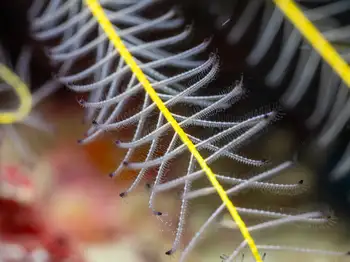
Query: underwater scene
(182, 131)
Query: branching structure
(183, 74)
(309, 67)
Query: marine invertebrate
(307, 73)
(33, 119)
(181, 84)
(296, 67)
(310, 87)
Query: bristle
(295, 65)
(181, 73)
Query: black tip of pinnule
(157, 213)
(123, 194)
(169, 252)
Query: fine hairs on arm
(182, 72)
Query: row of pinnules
(279, 62)
(184, 75)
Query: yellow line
(104, 22)
(23, 93)
(316, 39)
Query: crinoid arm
(184, 74)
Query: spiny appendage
(322, 219)
(258, 125)
(275, 219)
(105, 55)
(295, 47)
(171, 148)
(113, 88)
(273, 224)
(183, 211)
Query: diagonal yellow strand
(316, 39)
(23, 93)
(113, 36)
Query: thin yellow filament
(113, 36)
(23, 93)
(316, 39)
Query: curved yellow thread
(113, 36)
(23, 93)
(316, 39)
